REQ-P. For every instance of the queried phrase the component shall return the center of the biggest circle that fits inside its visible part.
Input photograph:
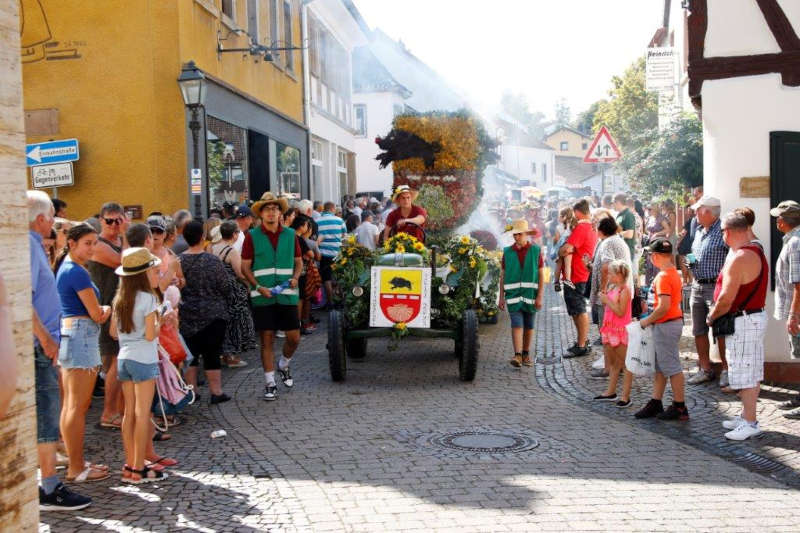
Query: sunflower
(464, 239)
(400, 326)
(343, 261)
(400, 249)
(462, 250)
(418, 246)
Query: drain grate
(757, 463)
(485, 442)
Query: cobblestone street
(383, 451)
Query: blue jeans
(80, 344)
(48, 402)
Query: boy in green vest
(272, 263)
(520, 292)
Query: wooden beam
(779, 24)
(716, 68)
(698, 26)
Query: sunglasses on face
(111, 221)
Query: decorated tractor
(411, 287)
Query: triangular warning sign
(603, 149)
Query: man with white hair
(181, 218)
(706, 261)
(53, 495)
(306, 207)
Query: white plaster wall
(737, 27)
(380, 113)
(517, 160)
(738, 116)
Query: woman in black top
(204, 309)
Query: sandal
(163, 461)
(114, 423)
(88, 476)
(146, 475)
(160, 436)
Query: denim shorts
(79, 344)
(521, 319)
(128, 370)
(48, 401)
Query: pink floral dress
(613, 330)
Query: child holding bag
(616, 298)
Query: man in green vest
(520, 282)
(272, 263)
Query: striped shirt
(332, 230)
(787, 274)
(710, 251)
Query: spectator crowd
(120, 305)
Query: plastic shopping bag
(641, 356)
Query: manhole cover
(486, 442)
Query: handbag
(313, 279)
(168, 339)
(725, 325)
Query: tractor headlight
(444, 288)
(358, 291)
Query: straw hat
(400, 189)
(269, 198)
(521, 226)
(135, 261)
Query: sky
(545, 49)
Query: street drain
(757, 462)
(485, 442)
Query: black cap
(660, 245)
(243, 211)
(156, 222)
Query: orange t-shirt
(668, 283)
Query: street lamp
(192, 83)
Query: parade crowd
(126, 312)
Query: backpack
(172, 393)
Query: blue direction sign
(47, 153)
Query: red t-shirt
(584, 239)
(395, 216)
(247, 247)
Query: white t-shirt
(366, 233)
(134, 346)
(239, 242)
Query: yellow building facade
(569, 142)
(106, 74)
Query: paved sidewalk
(380, 452)
(776, 453)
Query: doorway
(784, 156)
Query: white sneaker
(733, 423)
(599, 364)
(280, 334)
(743, 431)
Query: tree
(631, 110)
(516, 105)
(666, 162)
(562, 112)
(584, 122)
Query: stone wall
(19, 509)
